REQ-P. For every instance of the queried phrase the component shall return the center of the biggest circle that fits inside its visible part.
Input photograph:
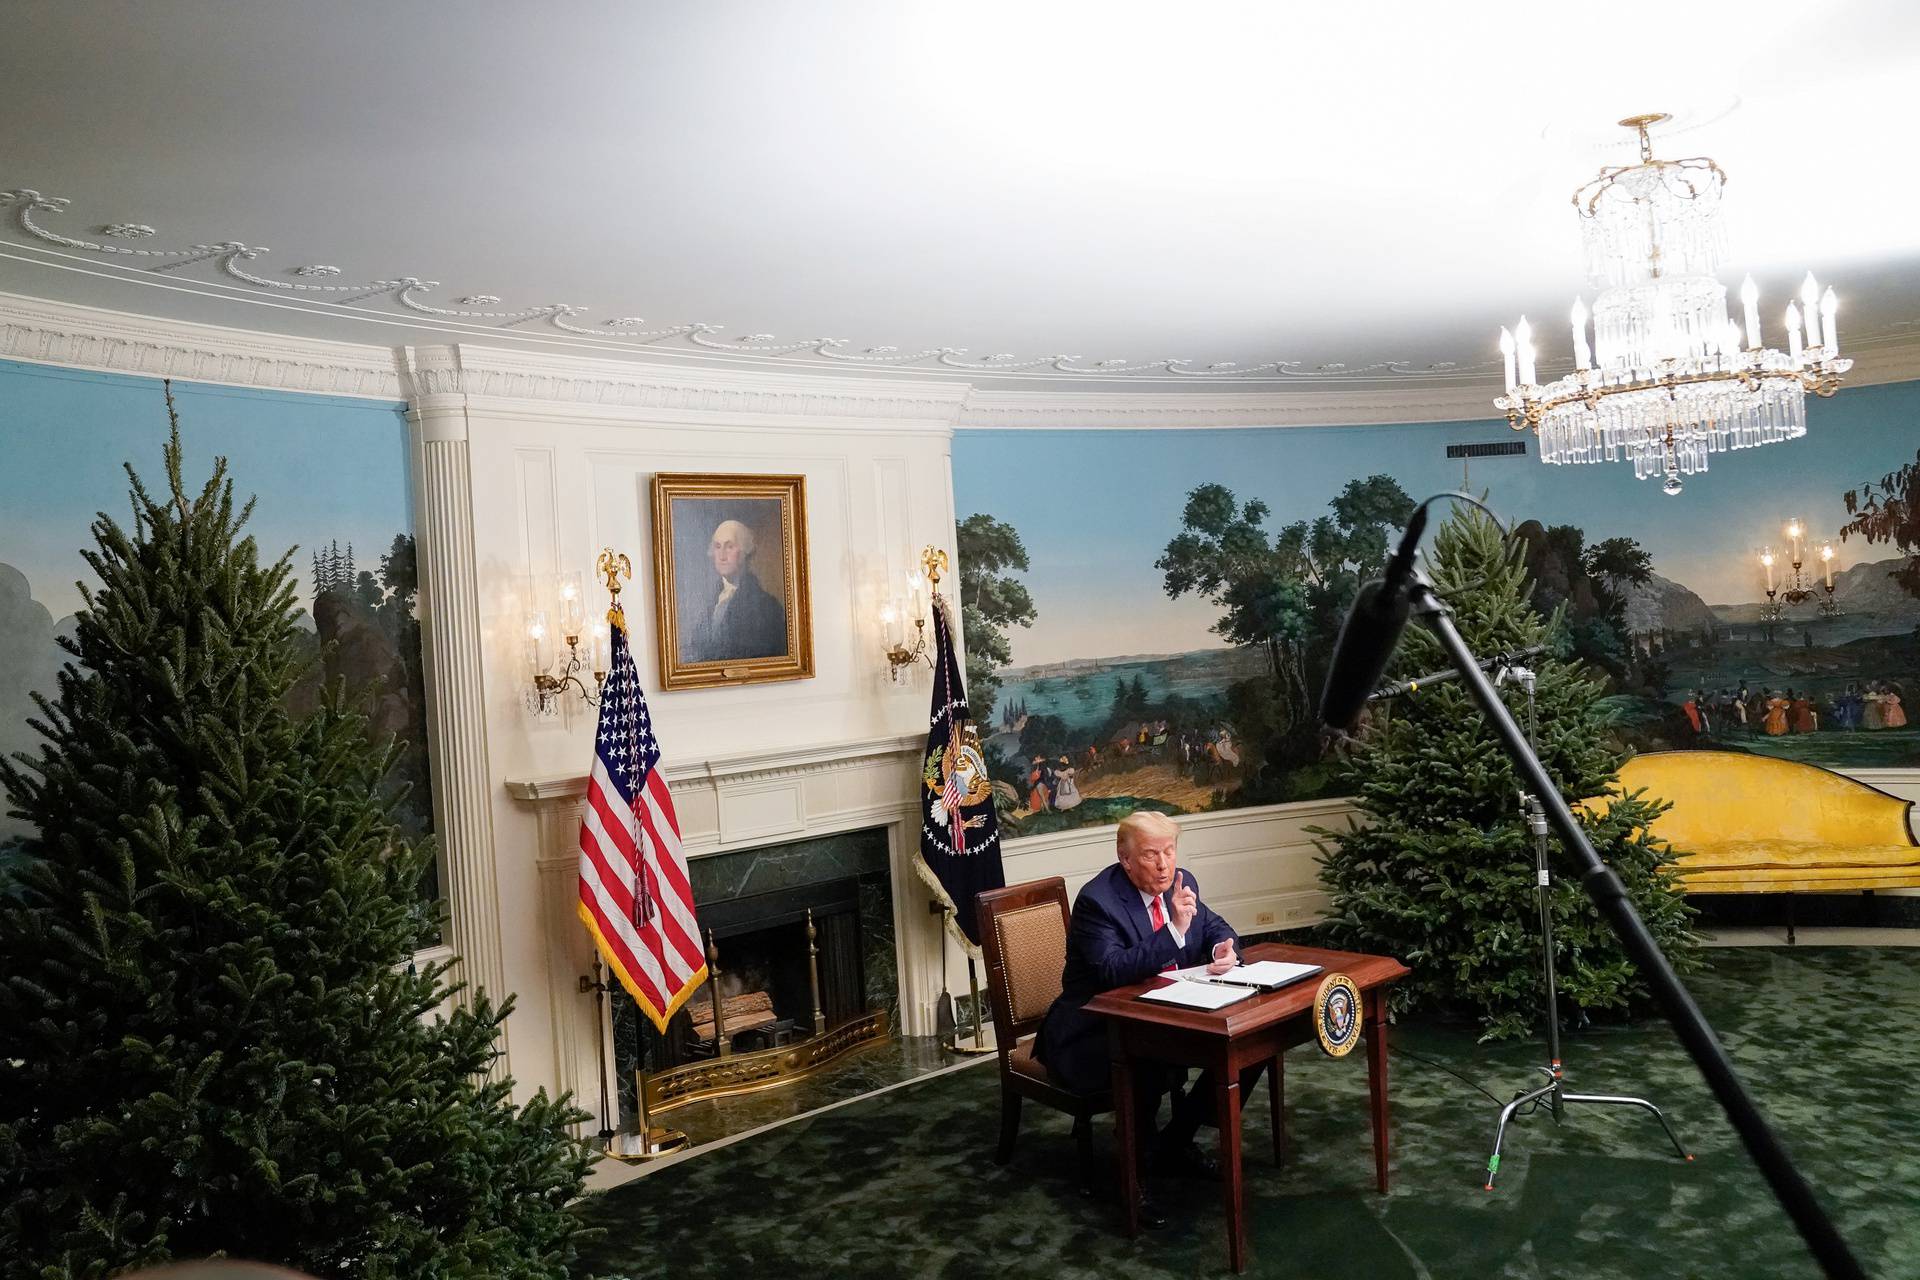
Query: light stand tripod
(1553, 1092)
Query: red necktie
(1159, 921)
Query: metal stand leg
(1553, 1092)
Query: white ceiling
(1360, 191)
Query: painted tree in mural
(1889, 511)
(211, 1035)
(1285, 594)
(991, 600)
(1442, 872)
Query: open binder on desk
(1261, 975)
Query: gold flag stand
(646, 1140)
(978, 1029)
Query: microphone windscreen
(1360, 656)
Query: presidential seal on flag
(956, 780)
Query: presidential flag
(635, 897)
(959, 832)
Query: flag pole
(973, 981)
(646, 1141)
(599, 986)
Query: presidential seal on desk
(1336, 1015)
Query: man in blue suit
(1139, 917)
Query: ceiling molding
(73, 336)
(479, 373)
(1013, 410)
(76, 337)
(404, 297)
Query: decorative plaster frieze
(989, 410)
(43, 332)
(401, 294)
(65, 334)
(480, 373)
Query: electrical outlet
(1265, 917)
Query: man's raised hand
(1185, 902)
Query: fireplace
(801, 937)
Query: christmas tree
(1441, 874)
(212, 1039)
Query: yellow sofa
(1753, 824)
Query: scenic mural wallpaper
(331, 476)
(1148, 614)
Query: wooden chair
(1023, 931)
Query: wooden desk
(1259, 1029)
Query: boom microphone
(1371, 630)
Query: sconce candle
(1826, 562)
(573, 607)
(1766, 558)
(602, 651)
(539, 641)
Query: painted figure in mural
(1873, 711)
(744, 621)
(1776, 714)
(1691, 710)
(1896, 717)
(1805, 719)
(1847, 707)
(1066, 793)
(1039, 786)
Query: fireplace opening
(800, 949)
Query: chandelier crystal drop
(1669, 379)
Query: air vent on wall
(1497, 449)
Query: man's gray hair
(741, 535)
(1143, 822)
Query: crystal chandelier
(1669, 378)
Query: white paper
(1197, 995)
(1266, 973)
(1272, 972)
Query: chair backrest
(1023, 933)
(1719, 796)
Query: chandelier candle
(1667, 380)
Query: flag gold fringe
(659, 1017)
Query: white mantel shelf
(740, 766)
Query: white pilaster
(451, 638)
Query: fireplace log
(743, 1012)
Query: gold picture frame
(731, 598)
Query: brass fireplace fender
(765, 1068)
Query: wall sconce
(566, 621)
(923, 586)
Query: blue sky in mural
(63, 445)
(1096, 508)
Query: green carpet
(904, 1184)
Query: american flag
(634, 894)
